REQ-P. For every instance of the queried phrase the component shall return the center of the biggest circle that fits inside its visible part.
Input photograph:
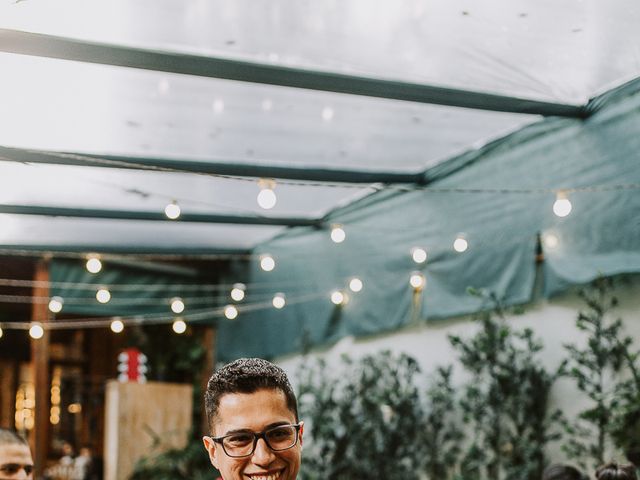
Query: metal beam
(95, 213)
(25, 43)
(209, 167)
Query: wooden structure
(143, 419)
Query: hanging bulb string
(102, 322)
(395, 187)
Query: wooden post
(40, 362)
(208, 367)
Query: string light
(355, 285)
(460, 244)
(267, 263)
(417, 281)
(94, 265)
(2, 332)
(103, 295)
(562, 206)
(337, 233)
(327, 114)
(36, 331)
(177, 305)
(218, 105)
(237, 292)
(551, 240)
(419, 255)
(55, 304)
(117, 326)
(230, 312)
(172, 210)
(338, 297)
(179, 326)
(279, 300)
(267, 197)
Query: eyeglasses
(13, 468)
(243, 444)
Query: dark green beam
(210, 167)
(95, 213)
(148, 252)
(41, 45)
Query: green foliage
(594, 368)
(364, 421)
(442, 434)
(190, 463)
(505, 403)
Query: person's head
(562, 472)
(613, 471)
(251, 396)
(15, 457)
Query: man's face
(15, 462)
(256, 411)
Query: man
(252, 415)
(15, 457)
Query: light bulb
(218, 105)
(338, 234)
(36, 331)
(460, 244)
(177, 305)
(327, 114)
(237, 292)
(55, 304)
(179, 326)
(230, 312)
(551, 241)
(337, 297)
(417, 280)
(103, 295)
(267, 104)
(267, 263)
(419, 255)
(117, 326)
(172, 210)
(1, 332)
(562, 206)
(267, 198)
(355, 285)
(94, 265)
(279, 300)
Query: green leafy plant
(505, 404)
(594, 367)
(366, 420)
(442, 434)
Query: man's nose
(263, 455)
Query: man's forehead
(15, 453)
(257, 406)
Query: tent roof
(213, 96)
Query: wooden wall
(143, 419)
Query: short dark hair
(9, 437)
(613, 471)
(247, 375)
(562, 472)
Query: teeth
(266, 477)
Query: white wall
(553, 321)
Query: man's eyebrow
(248, 430)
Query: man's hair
(562, 472)
(9, 437)
(613, 471)
(247, 375)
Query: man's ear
(301, 432)
(210, 447)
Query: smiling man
(15, 457)
(255, 433)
